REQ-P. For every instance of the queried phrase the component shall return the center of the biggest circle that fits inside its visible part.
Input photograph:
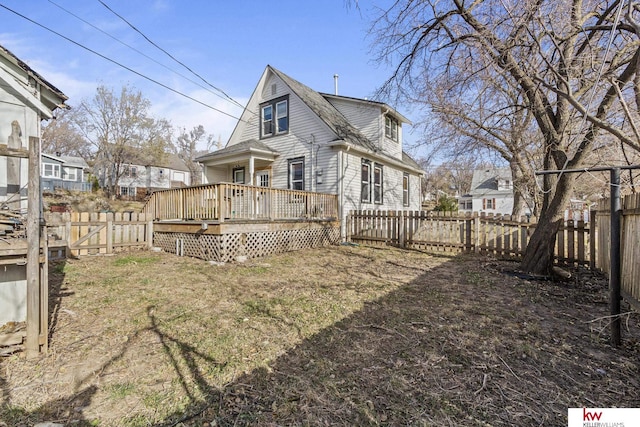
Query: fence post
(476, 243)
(149, 233)
(468, 222)
(109, 233)
(593, 221)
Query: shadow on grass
(440, 350)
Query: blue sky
(229, 43)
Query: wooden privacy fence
(630, 244)
(99, 233)
(501, 235)
(224, 201)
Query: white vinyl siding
(304, 127)
(392, 186)
(369, 119)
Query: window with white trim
(128, 191)
(69, 173)
(488, 203)
(238, 175)
(365, 179)
(391, 128)
(296, 173)
(274, 117)
(50, 170)
(405, 189)
(377, 184)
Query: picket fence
(102, 233)
(500, 235)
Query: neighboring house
(138, 180)
(491, 192)
(292, 137)
(26, 99)
(65, 172)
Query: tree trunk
(538, 256)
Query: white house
(26, 99)
(66, 172)
(292, 137)
(138, 180)
(491, 192)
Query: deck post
(222, 202)
(33, 250)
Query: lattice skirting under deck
(227, 247)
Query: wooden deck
(224, 201)
(226, 222)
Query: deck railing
(226, 201)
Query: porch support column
(251, 171)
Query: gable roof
(326, 112)
(74, 161)
(485, 181)
(50, 99)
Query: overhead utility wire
(169, 55)
(119, 64)
(142, 53)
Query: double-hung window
(405, 189)
(391, 128)
(377, 184)
(51, 170)
(372, 182)
(296, 173)
(274, 117)
(365, 193)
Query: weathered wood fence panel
(630, 244)
(99, 233)
(500, 235)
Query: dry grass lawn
(330, 336)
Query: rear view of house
(292, 137)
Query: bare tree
(187, 148)
(573, 64)
(60, 135)
(121, 131)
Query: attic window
(274, 117)
(391, 128)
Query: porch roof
(243, 149)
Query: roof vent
(335, 84)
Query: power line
(119, 64)
(169, 55)
(143, 54)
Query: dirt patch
(333, 336)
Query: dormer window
(391, 128)
(274, 117)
